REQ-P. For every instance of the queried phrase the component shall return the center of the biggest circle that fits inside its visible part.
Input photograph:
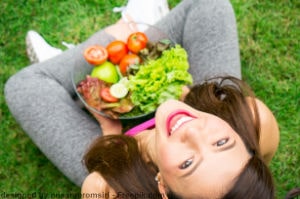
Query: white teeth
(179, 123)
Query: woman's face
(198, 154)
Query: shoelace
(122, 10)
(68, 45)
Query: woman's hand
(185, 91)
(109, 126)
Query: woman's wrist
(109, 126)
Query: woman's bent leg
(207, 30)
(40, 97)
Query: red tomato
(116, 51)
(106, 96)
(137, 41)
(127, 60)
(95, 55)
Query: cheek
(167, 157)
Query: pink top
(141, 127)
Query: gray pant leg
(40, 97)
(207, 30)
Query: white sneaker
(144, 11)
(38, 49)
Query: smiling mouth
(176, 120)
(180, 122)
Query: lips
(176, 119)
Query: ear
(161, 186)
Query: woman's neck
(146, 141)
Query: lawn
(269, 34)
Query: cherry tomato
(95, 55)
(116, 51)
(137, 41)
(127, 60)
(106, 96)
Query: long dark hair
(121, 164)
(292, 194)
(229, 99)
(119, 161)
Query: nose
(193, 137)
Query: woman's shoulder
(94, 184)
(269, 131)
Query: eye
(222, 142)
(186, 164)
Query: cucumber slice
(118, 90)
(124, 81)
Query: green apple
(106, 72)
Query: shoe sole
(30, 51)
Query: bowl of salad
(128, 79)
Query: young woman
(217, 144)
(230, 149)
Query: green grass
(269, 34)
(270, 54)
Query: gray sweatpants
(40, 96)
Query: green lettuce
(161, 79)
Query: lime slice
(118, 90)
(106, 72)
